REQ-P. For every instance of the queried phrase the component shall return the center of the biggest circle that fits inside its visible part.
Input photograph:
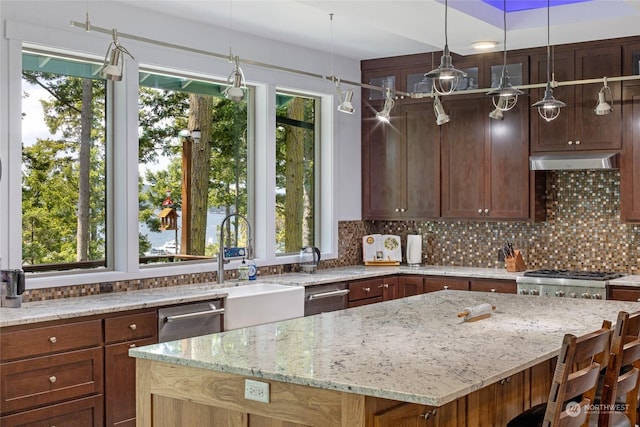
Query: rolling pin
(477, 312)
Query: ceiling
(365, 29)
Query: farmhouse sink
(255, 304)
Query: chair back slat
(576, 377)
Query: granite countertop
(68, 308)
(413, 349)
(631, 280)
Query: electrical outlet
(256, 390)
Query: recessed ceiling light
(484, 44)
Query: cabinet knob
(493, 290)
(52, 379)
(577, 142)
(133, 326)
(384, 286)
(446, 287)
(53, 340)
(480, 211)
(403, 210)
(132, 346)
(486, 211)
(367, 290)
(570, 142)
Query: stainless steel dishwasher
(190, 320)
(324, 298)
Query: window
(193, 167)
(296, 155)
(64, 215)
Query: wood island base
(174, 395)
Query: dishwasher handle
(328, 294)
(175, 317)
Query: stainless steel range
(566, 283)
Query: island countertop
(412, 350)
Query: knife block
(515, 263)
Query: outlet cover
(256, 390)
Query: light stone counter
(413, 349)
(633, 280)
(68, 308)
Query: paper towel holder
(414, 250)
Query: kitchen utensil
(309, 259)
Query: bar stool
(574, 382)
(621, 380)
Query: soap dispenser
(243, 271)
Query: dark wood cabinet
(410, 285)
(366, 291)
(121, 334)
(493, 285)
(82, 412)
(401, 164)
(578, 127)
(390, 288)
(623, 293)
(439, 283)
(630, 160)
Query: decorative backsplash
(582, 231)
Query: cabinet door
(389, 288)
(630, 161)
(120, 383)
(556, 134)
(384, 179)
(508, 196)
(432, 284)
(410, 285)
(422, 161)
(595, 132)
(464, 158)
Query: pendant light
(505, 96)
(445, 77)
(549, 107)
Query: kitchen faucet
(221, 260)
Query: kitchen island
(385, 364)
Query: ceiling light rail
(398, 93)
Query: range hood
(574, 161)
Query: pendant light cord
(548, 44)
(504, 22)
(446, 19)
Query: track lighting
(236, 82)
(344, 105)
(383, 115)
(498, 112)
(504, 91)
(603, 107)
(113, 64)
(445, 77)
(438, 109)
(549, 107)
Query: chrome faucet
(221, 260)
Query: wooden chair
(574, 382)
(619, 400)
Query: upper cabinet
(578, 127)
(485, 173)
(630, 159)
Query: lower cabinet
(492, 285)
(410, 285)
(82, 412)
(364, 292)
(623, 293)
(487, 413)
(439, 283)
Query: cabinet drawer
(499, 286)
(432, 284)
(131, 327)
(624, 294)
(50, 339)
(365, 301)
(50, 379)
(85, 412)
(365, 289)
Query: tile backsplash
(582, 231)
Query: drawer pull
(52, 379)
(133, 326)
(367, 290)
(446, 287)
(53, 340)
(132, 346)
(493, 290)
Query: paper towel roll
(414, 249)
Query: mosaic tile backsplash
(582, 231)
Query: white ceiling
(364, 29)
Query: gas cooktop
(574, 274)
